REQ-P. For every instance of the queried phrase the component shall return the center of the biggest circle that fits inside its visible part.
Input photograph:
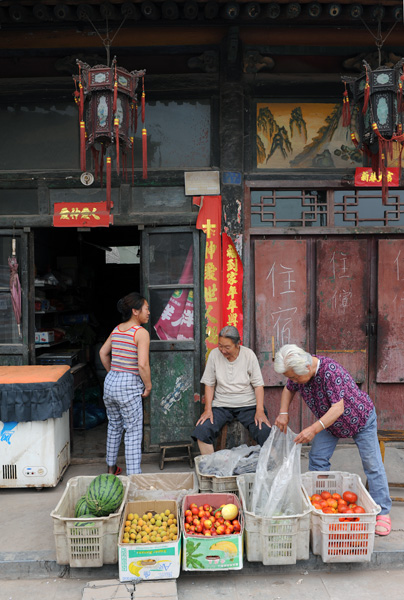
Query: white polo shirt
(234, 382)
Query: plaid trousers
(123, 403)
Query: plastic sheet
(224, 463)
(277, 484)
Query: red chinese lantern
(108, 103)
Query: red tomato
(218, 514)
(188, 513)
(315, 498)
(194, 510)
(207, 507)
(359, 509)
(336, 496)
(331, 502)
(199, 528)
(342, 501)
(342, 508)
(193, 505)
(350, 497)
(317, 506)
(325, 495)
(328, 510)
(188, 519)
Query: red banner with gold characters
(232, 285)
(366, 177)
(210, 221)
(82, 214)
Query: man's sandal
(383, 525)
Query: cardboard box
(44, 337)
(153, 560)
(219, 553)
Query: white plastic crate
(85, 542)
(335, 540)
(160, 486)
(274, 540)
(212, 483)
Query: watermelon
(104, 495)
(81, 509)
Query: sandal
(117, 471)
(383, 525)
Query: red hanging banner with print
(210, 221)
(232, 285)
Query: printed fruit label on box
(158, 562)
(212, 553)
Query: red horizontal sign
(366, 177)
(81, 214)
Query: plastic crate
(212, 483)
(345, 541)
(82, 542)
(274, 540)
(162, 486)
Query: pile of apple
(208, 521)
(336, 504)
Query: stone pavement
(28, 558)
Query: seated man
(234, 389)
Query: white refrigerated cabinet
(34, 453)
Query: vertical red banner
(232, 285)
(210, 221)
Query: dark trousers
(207, 432)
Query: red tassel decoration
(96, 154)
(82, 146)
(81, 102)
(109, 169)
(135, 125)
(143, 101)
(144, 152)
(116, 127)
(132, 140)
(354, 140)
(366, 94)
(101, 168)
(346, 111)
(115, 102)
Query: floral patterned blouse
(329, 385)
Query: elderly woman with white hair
(342, 410)
(234, 389)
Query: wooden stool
(173, 446)
(391, 436)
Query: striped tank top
(124, 350)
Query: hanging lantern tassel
(109, 169)
(82, 146)
(132, 141)
(346, 111)
(116, 127)
(366, 94)
(144, 152)
(143, 102)
(81, 102)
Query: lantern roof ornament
(378, 114)
(108, 100)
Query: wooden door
(358, 318)
(170, 270)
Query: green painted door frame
(171, 410)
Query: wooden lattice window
(288, 208)
(365, 208)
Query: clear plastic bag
(277, 484)
(224, 462)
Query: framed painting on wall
(303, 135)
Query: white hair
(292, 357)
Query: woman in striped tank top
(125, 355)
